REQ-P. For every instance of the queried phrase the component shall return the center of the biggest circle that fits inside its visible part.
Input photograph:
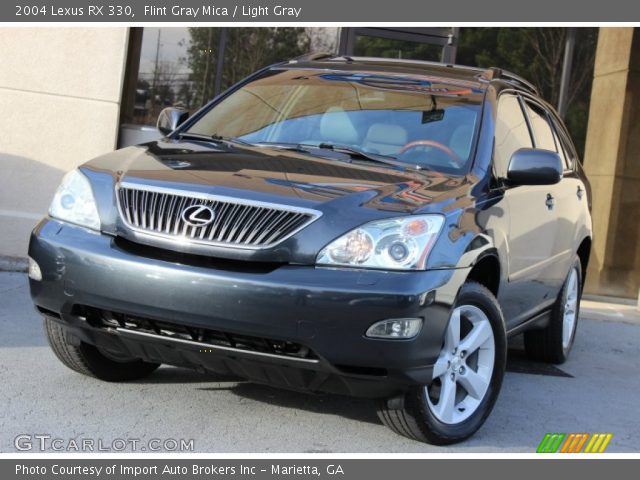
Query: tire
(88, 360)
(419, 416)
(553, 343)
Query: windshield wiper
(215, 138)
(356, 153)
(310, 147)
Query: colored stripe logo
(574, 443)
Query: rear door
(573, 200)
(532, 226)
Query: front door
(532, 227)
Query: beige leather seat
(385, 139)
(460, 141)
(336, 127)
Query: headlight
(74, 202)
(396, 244)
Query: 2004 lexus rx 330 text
(359, 226)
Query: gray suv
(359, 226)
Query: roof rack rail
(310, 57)
(493, 73)
(406, 61)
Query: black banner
(346, 469)
(195, 11)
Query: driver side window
(511, 133)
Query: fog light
(395, 328)
(34, 270)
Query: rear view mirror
(434, 115)
(170, 118)
(529, 166)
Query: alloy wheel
(462, 373)
(570, 308)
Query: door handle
(550, 201)
(579, 192)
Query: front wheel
(466, 376)
(88, 360)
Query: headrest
(336, 126)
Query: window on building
(178, 66)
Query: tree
(388, 48)
(322, 39)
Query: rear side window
(511, 133)
(541, 128)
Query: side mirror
(529, 166)
(170, 118)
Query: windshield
(423, 121)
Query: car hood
(347, 193)
(282, 176)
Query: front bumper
(322, 309)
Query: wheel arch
(486, 270)
(584, 252)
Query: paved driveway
(596, 391)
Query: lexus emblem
(198, 215)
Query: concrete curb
(13, 264)
(606, 299)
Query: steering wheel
(433, 144)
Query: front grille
(235, 223)
(99, 318)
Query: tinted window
(419, 120)
(541, 128)
(567, 148)
(512, 133)
(561, 151)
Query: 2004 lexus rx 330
(359, 226)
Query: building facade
(60, 91)
(612, 162)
